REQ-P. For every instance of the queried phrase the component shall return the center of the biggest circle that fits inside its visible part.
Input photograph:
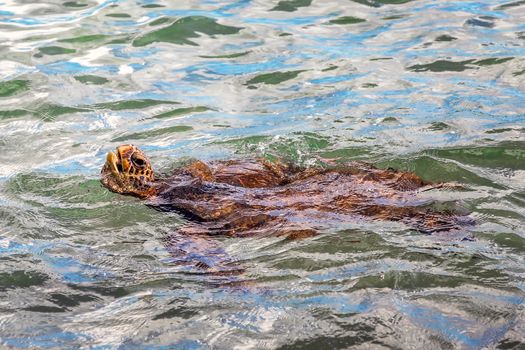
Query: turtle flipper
(199, 254)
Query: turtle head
(128, 171)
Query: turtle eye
(138, 162)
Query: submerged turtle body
(239, 198)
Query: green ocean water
(430, 87)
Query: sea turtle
(248, 197)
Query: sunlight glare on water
(434, 87)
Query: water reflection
(434, 88)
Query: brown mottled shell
(239, 198)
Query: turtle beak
(112, 161)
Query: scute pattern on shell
(241, 198)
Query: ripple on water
(433, 88)
(180, 31)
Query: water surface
(435, 87)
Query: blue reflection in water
(485, 96)
(35, 21)
(70, 68)
(52, 339)
(336, 79)
(68, 268)
(452, 327)
(226, 68)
